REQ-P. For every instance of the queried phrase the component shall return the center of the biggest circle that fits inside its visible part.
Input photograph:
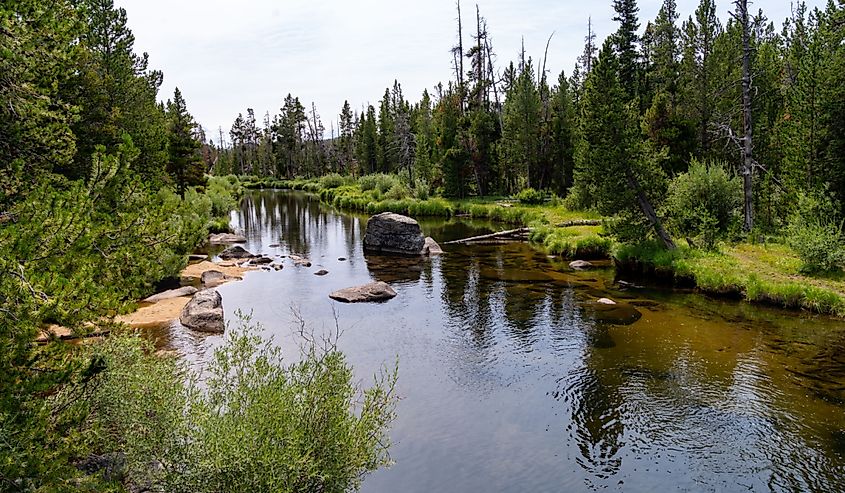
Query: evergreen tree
(347, 129)
(185, 164)
(521, 133)
(613, 165)
(625, 40)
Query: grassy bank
(374, 194)
(766, 273)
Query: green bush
(333, 180)
(379, 182)
(702, 203)
(530, 196)
(397, 192)
(249, 423)
(815, 233)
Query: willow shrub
(247, 422)
(815, 232)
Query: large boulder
(204, 312)
(235, 252)
(394, 233)
(374, 291)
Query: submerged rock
(235, 252)
(374, 291)
(171, 293)
(580, 265)
(225, 238)
(615, 313)
(261, 261)
(321, 272)
(204, 312)
(394, 233)
(300, 261)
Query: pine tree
(625, 40)
(521, 133)
(665, 48)
(347, 129)
(185, 164)
(612, 162)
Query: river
(509, 381)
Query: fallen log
(579, 222)
(511, 233)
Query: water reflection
(513, 379)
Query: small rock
(374, 291)
(341, 259)
(300, 261)
(580, 265)
(261, 261)
(235, 252)
(431, 247)
(225, 238)
(321, 272)
(278, 267)
(171, 293)
(275, 245)
(266, 268)
(605, 301)
(212, 278)
(204, 312)
(195, 257)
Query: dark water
(511, 381)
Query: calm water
(510, 381)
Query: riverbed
(511, 382)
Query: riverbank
(384, 193)
(762, 273)
(767, 274)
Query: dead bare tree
(747, 169)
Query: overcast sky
(226, 56)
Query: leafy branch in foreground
(248, 422)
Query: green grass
(768, 274)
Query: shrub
(530, 196)
(332, 180)
(702, 203)
(397, 192)
(251, 424)
(378, 181)
(815, 233)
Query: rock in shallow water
(431, 247)
(580, 265)
(235, 252)
(394, 233)
(374, 291)
(204, 312)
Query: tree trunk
(648, 210)
(747, 148)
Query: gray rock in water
(321, 272)
(171, 293)
(341, 259)
(394, 233)
(204, 312)
(374, 291)
(605, 301)
(580, 265)
(235, 252)
(225, 238)
(431, 246)
(300, 261)
(212, 278)
(261, 261)
(197, 257)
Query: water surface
(510, 381)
